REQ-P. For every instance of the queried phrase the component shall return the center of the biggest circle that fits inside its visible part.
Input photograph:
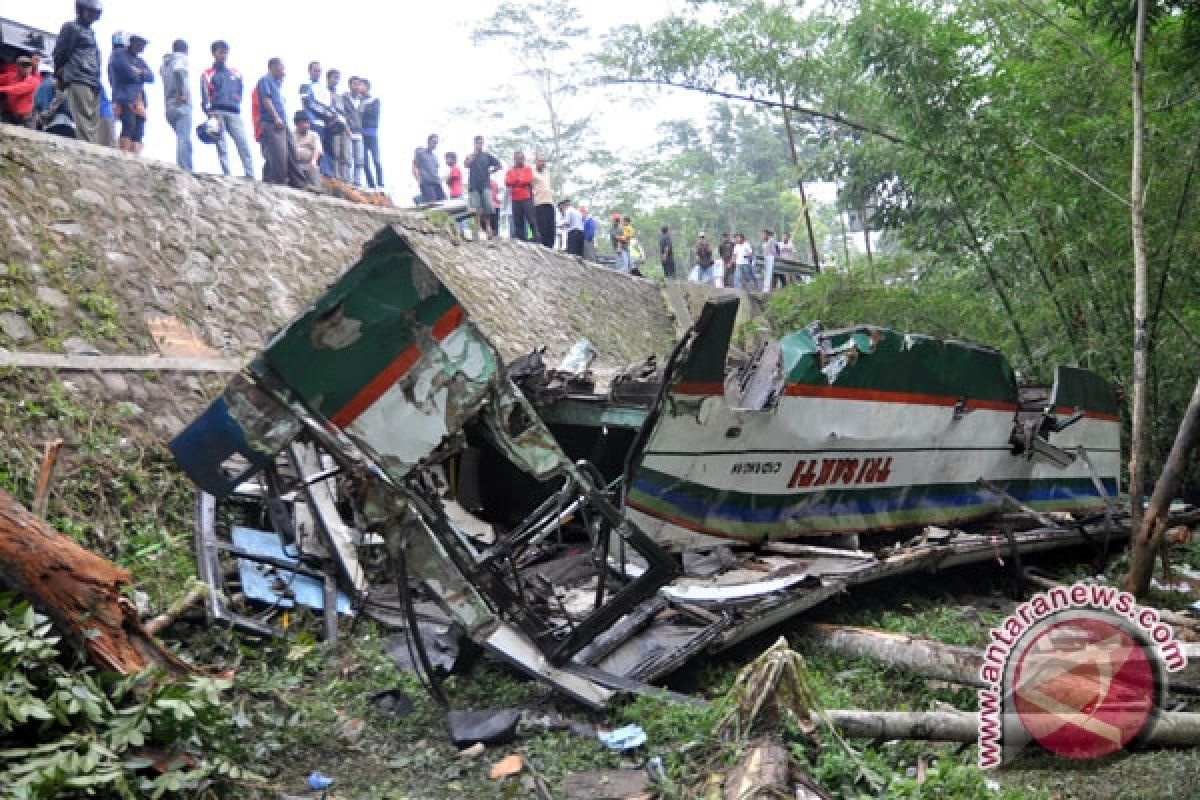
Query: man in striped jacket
(221, 97)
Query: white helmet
(120, 39)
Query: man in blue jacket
(77, 60)
(129, 74)
(221, 97)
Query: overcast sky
(418, 56)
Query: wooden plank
(118, 363)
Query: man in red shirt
(17, 97)
(519, 180)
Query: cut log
(80, 592)
(945, 662)
(1171, 729)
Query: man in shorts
(129, 74)
(480, 167)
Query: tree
(545, 39)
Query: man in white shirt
(770, 249)
(743, 264)
(572, 222)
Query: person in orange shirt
(519, 180)
(17, 96)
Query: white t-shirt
(743, 253)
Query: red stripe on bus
(394, 371)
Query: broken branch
(168, 617)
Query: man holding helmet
(77, 60)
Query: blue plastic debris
(318, 782)
(626, 738)
(275, 586)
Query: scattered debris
(318, 782)
(506, 767)
(629, 737)
(391, 703)
(486, 727)
(474, 751)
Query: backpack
(255, 108)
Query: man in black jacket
(77, 61)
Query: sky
(418, 56)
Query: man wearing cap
(77, 60)
(178, 100)
(129, 74)
(17, 97)
(46, 89)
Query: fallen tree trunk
(1171, 729)
(935, 726)
(80, 592)
(1148, 538)
(931, 659)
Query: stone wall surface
(95, 242)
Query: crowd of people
(735, 262)
(334, 133)
(535, 216)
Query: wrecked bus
(386, 461)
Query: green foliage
(66, 731)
